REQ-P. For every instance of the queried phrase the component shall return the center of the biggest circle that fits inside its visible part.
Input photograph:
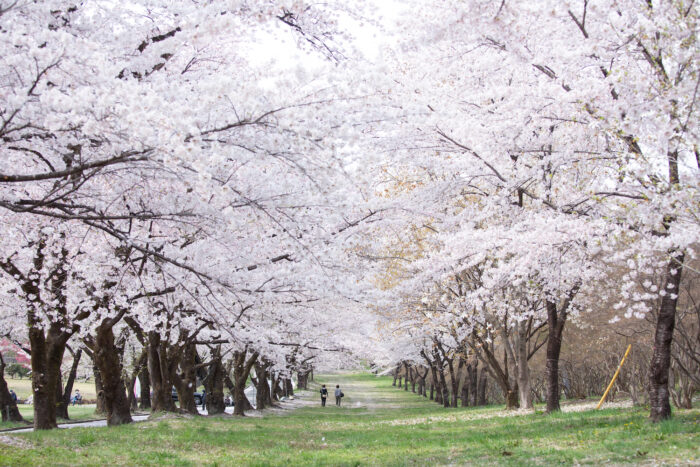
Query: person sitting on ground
(324, 395)
(13, 396)
(338, 395)
(77, 398)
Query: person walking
(324, 395)
(338, 395)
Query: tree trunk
(555, 323)
(665, 324)
(288, 387)
(186, 380)
(61, 405)
(158, 372)
(472, 382)
(482, 387)
(100, 408)
(46, 358)
(241, 370)
(275, 389)
(65, 398)
(302, 379)
(423, 382)
(511, 400)
(263, 397)
(445, 397)
(407, 370)
(465, 392)
(131, 394)
(245, 404)
(521, 357)
(454, 381)
(8, 406)
(435, 385)
(214, 384)
(139, 365)
(107, 359)
(145, 383)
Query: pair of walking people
(338, 395)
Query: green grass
(75, 412)
(378, 425)
(23, 387)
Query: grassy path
(377, 425)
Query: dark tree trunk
(555, 323)
(512, 400)
(275, 389)
(407, 370)
(400, 381)
(663, 337)
(438, 385)
(107, 359)
(288, 387)
(396, 375)
(280, 389)
(139, 364)
(472, 381)
(302, 379)
(423, 381)
(241, 370)
(263, 397)
(186, 380)
(159, 375)
(46, 358)
(445, 393)
(246, 405)
(61, 405)
(465, 392)
(145, 383)
(214, 384)
(483, 379)
(65, 397)
(454, 381)
(47, 343)
(100, 408)
(8, 406)
(131, 394)
(435, 386)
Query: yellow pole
(612, 381)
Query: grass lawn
(378, 424)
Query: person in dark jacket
(324, 395)
(338, 395)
